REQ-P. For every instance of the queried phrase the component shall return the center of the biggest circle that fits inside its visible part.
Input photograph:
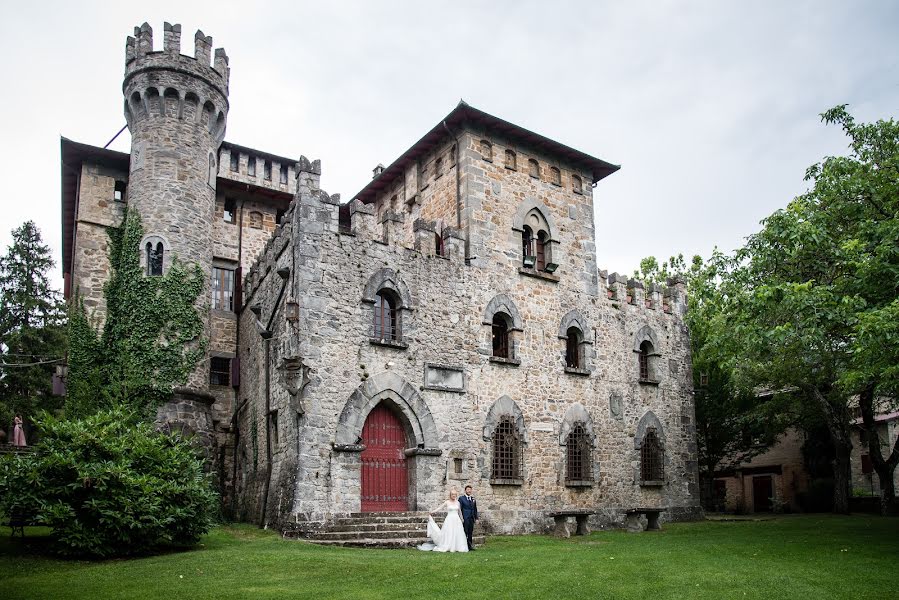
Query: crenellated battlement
(669, 299)
(168, 84)
(140, 55)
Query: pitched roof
(465, 113)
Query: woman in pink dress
(18, 434)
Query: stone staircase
(374, 530)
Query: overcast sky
(711, 107)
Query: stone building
(447, 326)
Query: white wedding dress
(451, 537)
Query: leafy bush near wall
(107, 487)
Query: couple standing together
(456, 533)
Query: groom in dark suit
(469, 514)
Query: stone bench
(561, 519)
(632, 519)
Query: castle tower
(176, 107)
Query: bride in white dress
(450, 537)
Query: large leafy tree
(32, 326)
(733, 424)
(812, 298)
(151, 340)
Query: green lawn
(796, 557)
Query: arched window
(154, 259)
(511, 160)
(643, 356)
(577, 185)
(500, 335)
(577, 459)
(651, 464)
(555, 176)
(540, 263)
(528, 259)
(533, 168)
(506, 450)
(386, 326)
(573, 358)
(487, 150)
(438, 244)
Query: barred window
(506, 450)
(527, 247)
(222, 288)
(651, 466)
(578, 455)
(386, 326)
(219, 371)
(500, 332)
(643, 356)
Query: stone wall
(97, 212)
(315, 468)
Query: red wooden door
(385, 480)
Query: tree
(733, 424)
(151, 340)
(812, 298)
(32, 326)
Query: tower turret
(176, 107)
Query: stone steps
(372, 530)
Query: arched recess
(392, 389)
(525, 208)
(154, 239)
(504, 407)
(646, 347)
(576, 413)
(646, 421)
(573, 318)
(645, 334)
(387, 279)
(501, 303)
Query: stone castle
(449, 325)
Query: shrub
(108, 487)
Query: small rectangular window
(251, 166)
(118, 193)
(235, 161)
(273, 424)
(457, 466)
(219, 371)
(284, 171)
(267, 170)
(228, 213)
(222, 288)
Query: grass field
(796, 557)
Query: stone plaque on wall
(444, 378)
(615, 405)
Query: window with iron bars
(386, 326)
(219, 371)
(651, 466)
(578, 455)
(645, 350)
(506, 450)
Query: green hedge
(108, 487)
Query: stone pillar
(425, 236)
(362, 220)
(617, 284)
(635, 290)
(654, 296)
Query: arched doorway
(385, 475)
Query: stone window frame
(506, 408)
(451, 474)
(646, 335)
(283, 173)
(223, 371)
(501, 304)
(119, 190)
(577, 415)
(234, 161)
(555, 176)
(232, 211)
(386, 280)
(255, 218)
(574, 319)
(551, 251)
(486, 149)
(577, 184)
(251, 166)
(267, 169)
(650, 421)
(534, 168)
(154, 239)
(511, 160)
